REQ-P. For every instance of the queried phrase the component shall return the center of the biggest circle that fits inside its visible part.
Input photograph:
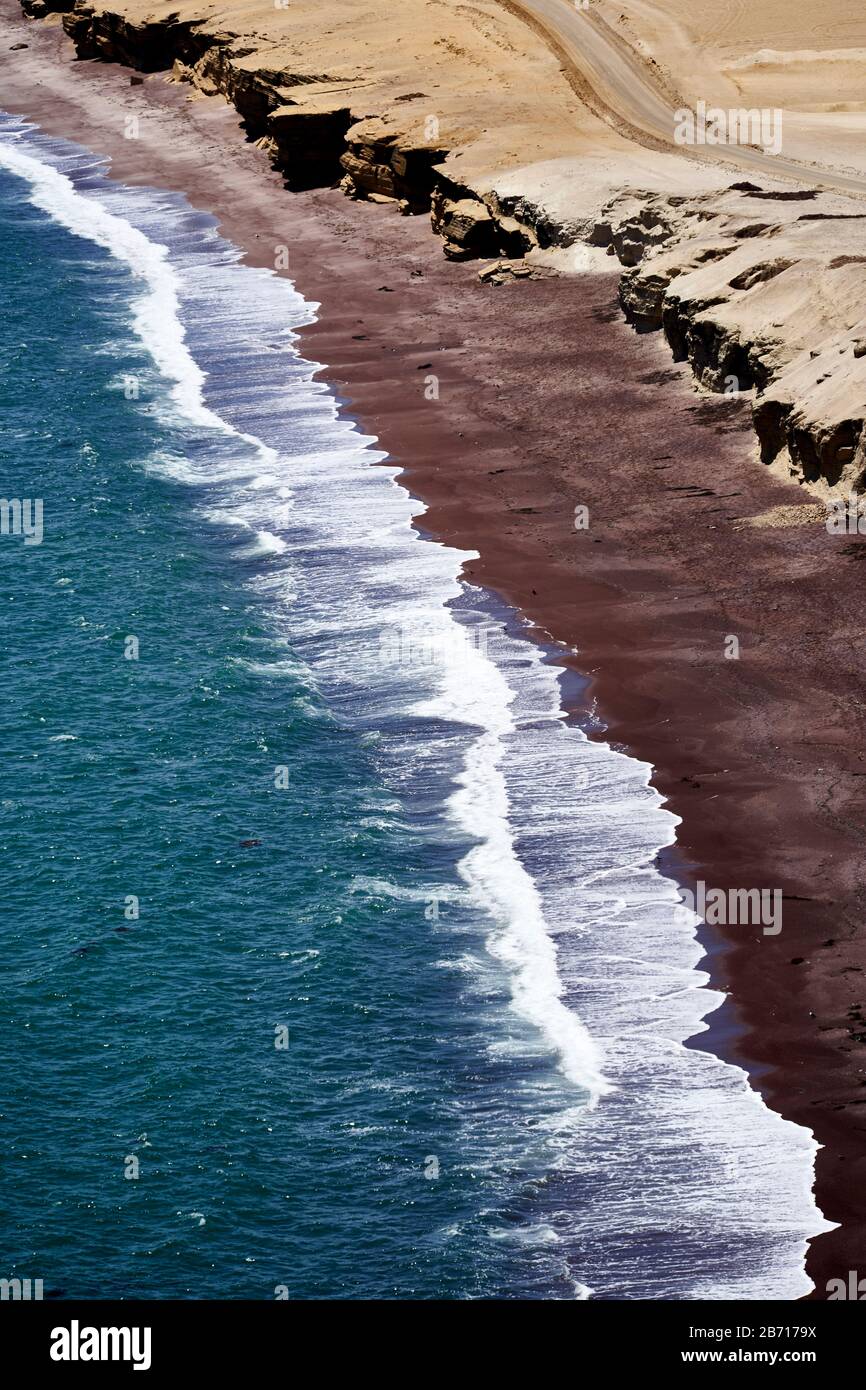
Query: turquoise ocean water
(335, 962)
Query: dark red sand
(548, 401)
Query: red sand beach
(548, 401)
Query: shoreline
(388, 290)
(568, 975)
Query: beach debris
(498, 272)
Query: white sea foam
(155, 314)
(677, 1181)
(265, 543)
(419, 893)
(476, 690)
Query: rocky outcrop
(38, 9)
(769, 304)
(473, 226)
(147, 46)
(314, 124)
(391, 164)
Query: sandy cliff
(466, 112)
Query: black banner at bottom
(160, 1339)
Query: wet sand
(548, 401)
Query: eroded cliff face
(318, 121)
(759, 289)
